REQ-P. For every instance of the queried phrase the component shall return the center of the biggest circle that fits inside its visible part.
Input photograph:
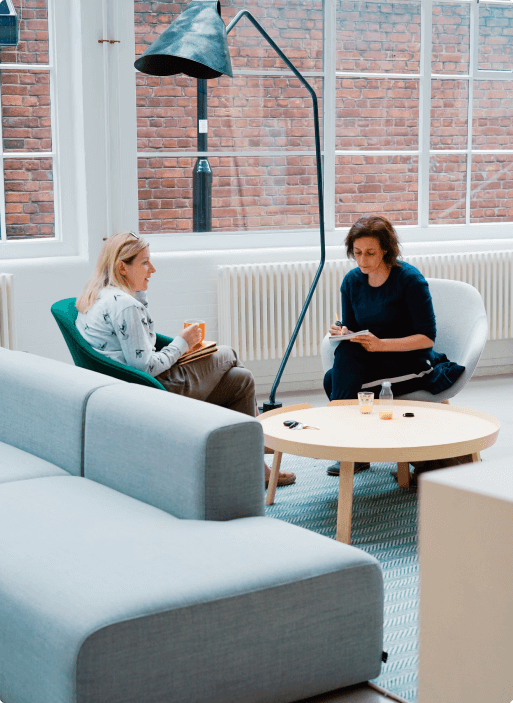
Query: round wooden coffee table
(437, 431)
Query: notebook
(336, 338)
(199, 351)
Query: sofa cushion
(107, 599)
(16, 465)
(42, 406)
(193, 459)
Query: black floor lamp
(196, 44)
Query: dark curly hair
(379, 228)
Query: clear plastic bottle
(386, 397)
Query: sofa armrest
(192, 459)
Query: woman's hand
(369, 342)
(335, 329)
(192, 335)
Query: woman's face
(138, 273)
(369, 254)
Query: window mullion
(426, 44)
(329, 93)
(474, 46)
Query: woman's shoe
(284, 478)
(359, 466)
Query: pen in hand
(338, 323)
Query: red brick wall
(366, 185)
(375, 36)
(246, 113)
(33, 44)
(26, 127)
(492, 188)
(451, 38)
(248, 192)
(29, 198)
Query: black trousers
(354, 366)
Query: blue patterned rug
(384, 525)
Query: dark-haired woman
(391, 299)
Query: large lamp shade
(195, 44)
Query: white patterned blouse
(120, 327)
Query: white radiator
(259, 304)
(7, 326)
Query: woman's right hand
(335, 329)
(192, 335)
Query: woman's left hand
(369, 342)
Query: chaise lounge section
(137, 564)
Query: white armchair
(462, 331)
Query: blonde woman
(113, 317)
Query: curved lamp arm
(271, 404)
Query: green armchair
(65, 314)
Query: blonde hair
(123, 246)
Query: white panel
(7, 324)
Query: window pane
(492, 188)
(374, 185)
(26, 110)
(33, 24)
(295, 26)
(447, 187)
(492, 115)
(244, 113)
(377, 37)
(451, 38)
(29, 211)
(449, 110)
(247, 193)
(495, 30)
(375, 113)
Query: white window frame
(59, 22)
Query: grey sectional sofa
(136, 563)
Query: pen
(338, 323)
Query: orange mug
(201, 324)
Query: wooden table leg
(476, 456)
(403, 474)
(273, 479)
(345, 502)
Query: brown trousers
(219, 379)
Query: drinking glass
(365, 401)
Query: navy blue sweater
(401, 307)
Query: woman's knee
(245, 378)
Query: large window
(419, 124)
(26, 180)
(261, 136)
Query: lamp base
(269, 406)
